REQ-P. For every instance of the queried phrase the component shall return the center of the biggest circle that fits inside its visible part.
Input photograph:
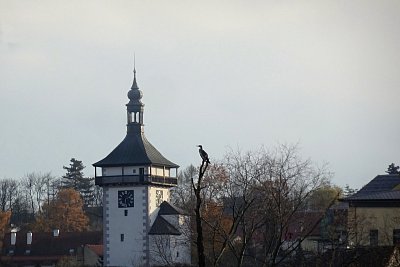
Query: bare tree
(246, 205)
(285, 184)
(197, 188)
(97, 196)
(182, 195)
(8, 193)
(39, 189)
(161, 250)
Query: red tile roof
(98, 249)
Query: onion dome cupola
(135, 107)
(135, 151)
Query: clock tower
(136, 179)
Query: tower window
(126, 212)
(132, 117)
(122, 237)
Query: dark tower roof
(169, 209)
(162, 227)
(135, 149)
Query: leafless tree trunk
(162, 249)
(197, 191)
(37, 187)
(8, 193)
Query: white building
(140, 227)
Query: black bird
(203, 154)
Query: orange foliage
(65, 212)
(4, 223)
(217, 226)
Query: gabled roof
(44, 244)
(97, 249)
(169, 209)
(162, 227)
(382, 187)
(387, 195)
(135, 150)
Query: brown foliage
(65, 212)
(4, 223)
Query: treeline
(261, 207)
(38, 197)
(256, 206)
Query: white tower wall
(132, 250)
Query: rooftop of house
(169, 209)
(302, 224)
(46, 244)
(98, 249)
(363, 256)
(162, 227)
(382, 187)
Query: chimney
(13, 238)
(56, 232)
(29, 238)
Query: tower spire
(134, 84)
(135, 107)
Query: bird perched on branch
(203, 154)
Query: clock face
(125, 199)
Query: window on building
(396, 236)
(122, 237)
(126, 212)
(373, 238)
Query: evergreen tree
(348, 191)
(392, 169)
(74, 178)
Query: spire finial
(134, 84)
(134, 66)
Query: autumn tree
(322, 198)
(74, 178)
(4, 224)
(65, 212)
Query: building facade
(136, 179)
(49, 249)
(374, 213)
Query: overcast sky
(226, 74)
